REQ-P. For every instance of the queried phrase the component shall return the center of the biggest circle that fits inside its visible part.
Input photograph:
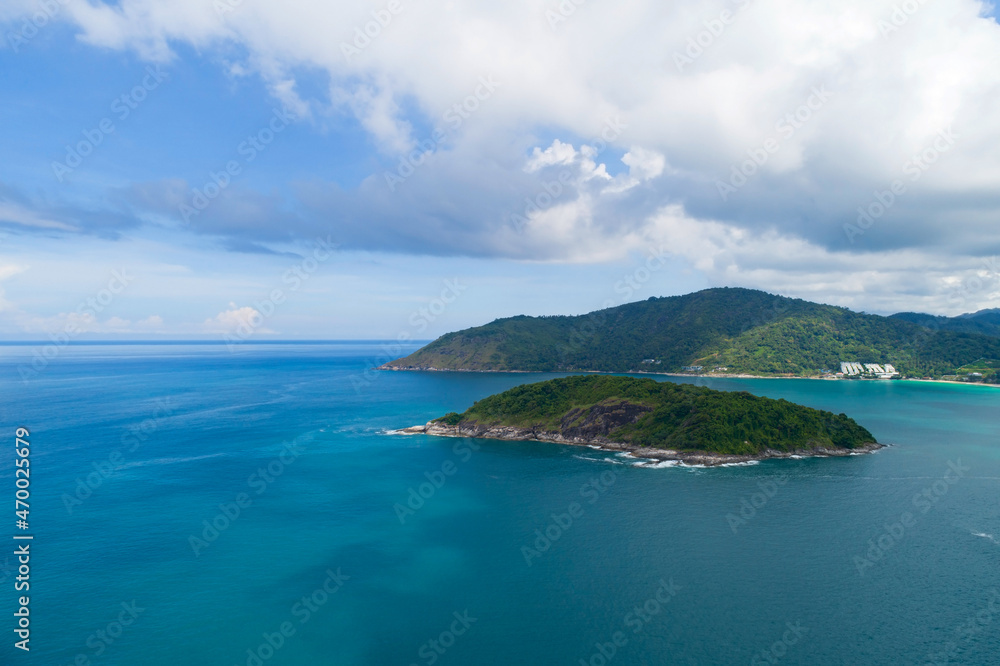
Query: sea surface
(192, 504)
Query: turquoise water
(743, 559)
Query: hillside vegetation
(986, 322)
(743, 330)
(644, 413)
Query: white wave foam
(748, 463)
(168, 461)
(661, 464)
(401, 431)
(601, 460)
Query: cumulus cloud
(150, 323)
(776, 126)
(556, 154)
(236, 319)
(644, 164)
(886, 281)
(379, 113)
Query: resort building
(868, 370)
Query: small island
(654, 420)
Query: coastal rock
(700, 458)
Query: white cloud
(644, 164)
(887, 281)
(378, 111)
(556, 154)
(117, 325)
(235, 319)
(21, 216)
(150, 323)
(886, 96)
(10, 270)
(890, 94)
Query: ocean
(195, 505)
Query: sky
(254, 170)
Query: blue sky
(556, 156)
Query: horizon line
(79, 343)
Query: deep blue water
(180, 429)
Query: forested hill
(986, 322)
(743, 330)
(660, 415)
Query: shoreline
(719, 375)
(685, 458)
(950, 381)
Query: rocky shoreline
(699, 458)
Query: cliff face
(511, 433)
(590, 425)
(597, 421)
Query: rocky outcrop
(588, 433)
(598, 420)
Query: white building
(869, 370)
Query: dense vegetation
(986, 322)
(744, 330)
(643, 412)
(981, 371)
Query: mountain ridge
(744, 331)
(986, 322)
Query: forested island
(727, 330)
(657, 420)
